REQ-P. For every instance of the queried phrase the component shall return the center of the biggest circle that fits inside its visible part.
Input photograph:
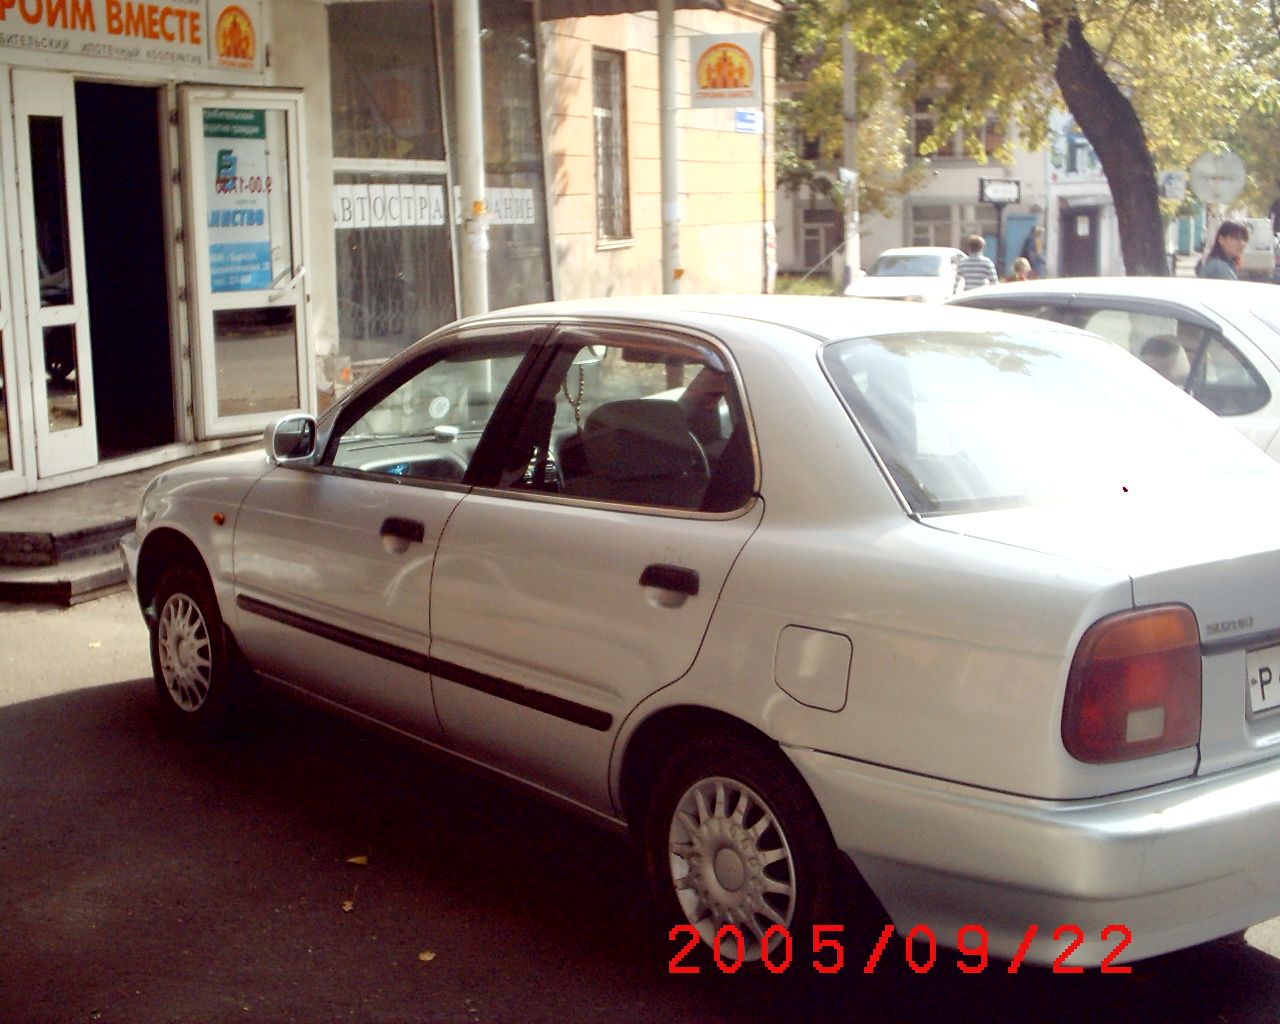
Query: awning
(554, 9)
(1092, 199)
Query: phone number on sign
(920, 949)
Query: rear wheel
(734, 837)
(189, 655)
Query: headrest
(638, 438)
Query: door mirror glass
(290, 439)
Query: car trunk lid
(1218, 556)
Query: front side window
(638, 421)
(613, 204)
(972, 421)
(426, 426)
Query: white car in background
(796, 590)
(915, 273)
(1217, 340)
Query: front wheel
(189, 654)
(734, 837)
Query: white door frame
(16, 479)
(288, 285)
(52, 94)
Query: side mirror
(289, 439)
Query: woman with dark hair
(1224, 257)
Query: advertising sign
(192, 33)
(999, 190)
(235, 150)
(726, 71)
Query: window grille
(613, 214)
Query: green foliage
(1199, 74)
(810, 115)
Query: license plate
(1263, 671)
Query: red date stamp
(920, 948)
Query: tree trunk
(1109, 122)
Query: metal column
(474, 268)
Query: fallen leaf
(426, 956)
(362, 859)
(348, 906)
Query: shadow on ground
(146, 879)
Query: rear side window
(631, 418)
(1195, 358)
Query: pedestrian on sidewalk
(975, 270)
(1228, 247)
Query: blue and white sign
(235, 142)
(748, 120)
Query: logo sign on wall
(726, 71)
(235, 148)
(190, 33)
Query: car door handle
(670, 577)
(405, 529)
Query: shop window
(515, 177)
(385, 85)
(395, 212)
(613, 212)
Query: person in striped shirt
(975, 269)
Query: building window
(953, 147)
(823, 232)
(613, 212)
(941, 224)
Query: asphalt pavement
(305, 870)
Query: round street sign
(1217, 177)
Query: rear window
(966, 421)
(906, 266)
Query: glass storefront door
(53, 271)
(248, 258)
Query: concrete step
(67, 583)
(50, 547)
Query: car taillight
(1134, 686)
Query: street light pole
(849, 173)
(667, 143)
(475, 212)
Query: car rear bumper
(1174, 866)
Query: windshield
(966, 421)
(906, 266)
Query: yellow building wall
(725, 178)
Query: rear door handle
(670, 577)
(405, 529)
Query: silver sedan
(971, 611)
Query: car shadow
(146, 878)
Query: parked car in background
(1258, 261)
(971, 606)
(1217, 340)
(915, 273)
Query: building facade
(1062, 191)
(218, 210)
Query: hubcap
(182, 638)
(731, 864)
